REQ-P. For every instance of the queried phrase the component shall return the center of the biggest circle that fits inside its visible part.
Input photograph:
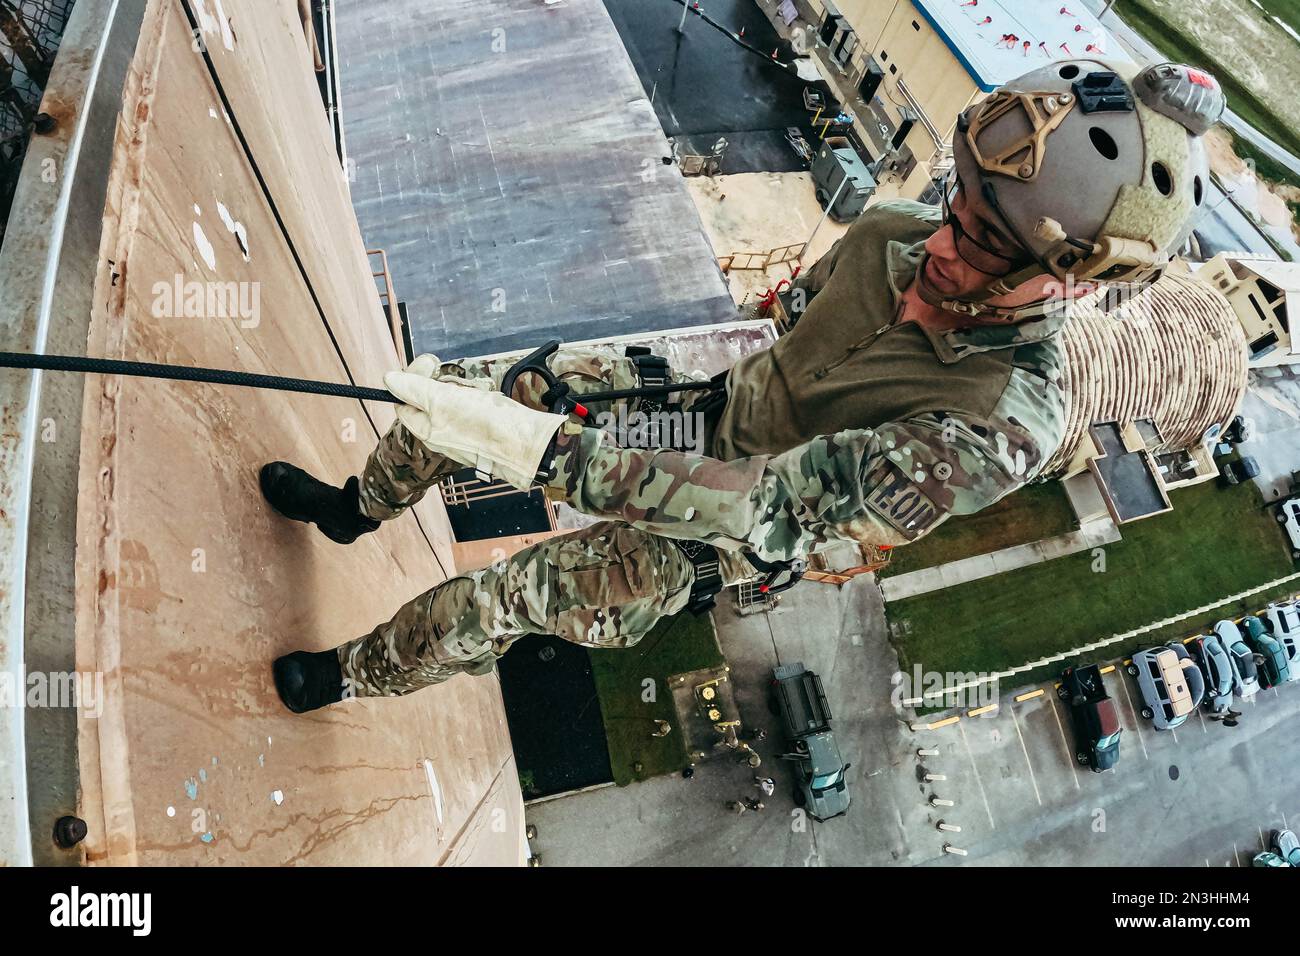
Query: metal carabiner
(557, 397)
(777, 576)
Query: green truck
(821, 787)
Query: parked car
(1170, 683)
(1268, 859)
(1270, 657)
(1245, 672)
(1216, 667)
(1288, 516)
(807, 719)
(1283, 623)
(1096, 725)
(1241, 429)
(1286, 845)
(1243, 469)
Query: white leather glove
(473, 425)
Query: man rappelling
(923, 380)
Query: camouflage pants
(604, 586)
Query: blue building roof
(1054, 30)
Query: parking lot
(1204, 794)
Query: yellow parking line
(947, 721)
(1030, 696)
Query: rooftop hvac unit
(846, 41)
(836, 161)
(907, 119)
(831, 22)
(870, 81)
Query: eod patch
(901, 502)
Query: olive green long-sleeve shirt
(853, 426)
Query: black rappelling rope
(75, 363)
(217, 376)
(735, 38)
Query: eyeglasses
(973, 252)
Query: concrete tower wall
(219, 185)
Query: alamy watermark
(78, 908)
(180, 299)
(79, 690)
(1106, 297)
(668, 428)
(969, 689)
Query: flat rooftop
(509, 162)
(976, 43)
(1126, 478)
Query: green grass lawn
(679, 644)
(1213, 544)
(1033, 513)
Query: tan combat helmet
(1095, 169)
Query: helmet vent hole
(1103, 142)
(1069, 71)
(1160, 176)
(1198, 190)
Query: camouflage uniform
(401, 469)
(602, 586)
(853, 427)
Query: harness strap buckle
(708, 576)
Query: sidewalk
(1095, 534)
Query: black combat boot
(297, 495)
(307, 681)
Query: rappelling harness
(654, 392)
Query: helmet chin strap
(973, 304)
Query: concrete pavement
(1201, 795)
(1094, 534)
(840, 634)
(1273, 403)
